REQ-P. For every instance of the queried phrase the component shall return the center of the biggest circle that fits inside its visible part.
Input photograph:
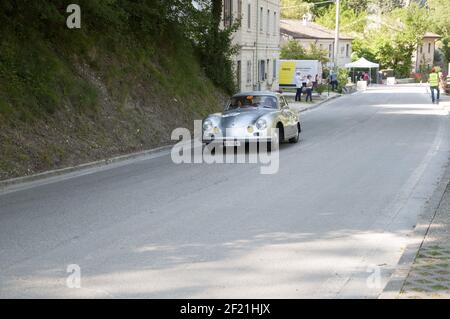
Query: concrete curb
(319, 104)
(395, 284)
(5, 184)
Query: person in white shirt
(298, 85)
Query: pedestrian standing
(298, 86)
(433, 79)
(309, 88)
(333, 81)
(366, 77)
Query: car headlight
(261, 124)
(207, 125)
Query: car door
(290, 118)
(295, 119)
(284, 116)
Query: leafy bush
(417, 77)
(342, 77)
(321, 88)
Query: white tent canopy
(362, 63)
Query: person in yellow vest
(433, 79)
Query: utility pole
(257, 66)
(336, 36)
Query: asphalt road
(333, 221)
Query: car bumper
(239, 134)
(225, 140)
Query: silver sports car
(253, 117)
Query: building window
(330, 50)
(262, 70)
(347, 50)
(239, 8)
(249, 16)
(261, 20)
(429, 47)
(274, 71)
(275, 23)
(227, 13)
(249, 71)
(421, 48)
(268, 22)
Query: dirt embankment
(144, 120)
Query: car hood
(241, 117)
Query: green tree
(351, 20)
(316, 53)
(293, 50)
(213, 43)
(387, 6)
(357, 5)
(395, 42)
(362, 47)
(294, 9)
(440, 24)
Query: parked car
(253, 117)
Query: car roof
(256, 93)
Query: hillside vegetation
(119, 84)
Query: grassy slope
(71, 96)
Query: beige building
(423, 57)
(259, 40)
(308, 33)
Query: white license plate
(232, 143)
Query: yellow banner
(287, 72)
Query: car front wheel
(297, 137)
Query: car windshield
(247, 101)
